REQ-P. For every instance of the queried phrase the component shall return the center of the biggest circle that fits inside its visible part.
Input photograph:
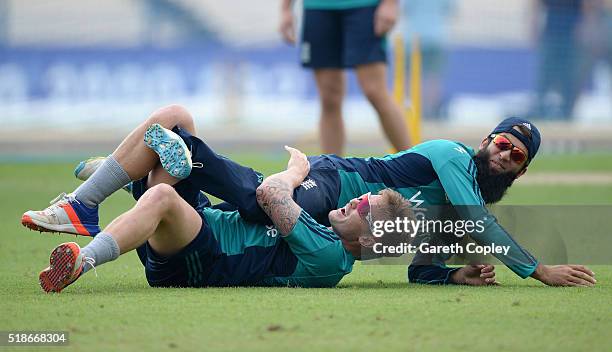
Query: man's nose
(505, 155)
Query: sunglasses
(365, 210)
(503, 143)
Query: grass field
(372, 309)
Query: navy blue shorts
(340, 38)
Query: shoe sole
(62, 263)
(172, 150)
(40, 226)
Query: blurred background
(76, 71)
(77, 75)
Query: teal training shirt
(322, 259)
(310, 256)
(338, 4)
(437, 172)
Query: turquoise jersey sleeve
(457, 175)
(309, 236)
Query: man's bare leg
(134, 156)
(331, 85)
(373, 81)
(160, 217)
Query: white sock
(103, 248)
(106, 180)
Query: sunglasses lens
(518, 156)
(502, 142)
(363, 208)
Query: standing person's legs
(331, 86)
(321, 50)
(365, 51)
(373, 81)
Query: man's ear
(484, 144)
(367, 241)
(521, 173)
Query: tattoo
(276, 199)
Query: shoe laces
(60, 200)
(92, 262)
(197, 164)
(63, 198)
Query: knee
(160, 196)
(331, 97)
(170, 116)
(374, 92)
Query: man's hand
(298, 166)
(385, 17)
(298, 163)
(564, 275)
(475, 275)
(287, 24)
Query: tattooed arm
(275, 194)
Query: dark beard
(492, 186)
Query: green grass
(596, 162)
(372, 309)
(559, 195)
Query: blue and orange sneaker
(65, 266)
(173, 153)
(65, 214)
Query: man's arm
(463, 192)
(287, 24)
(472, 275)
(275, 194)
(458, 178)
(385, 16)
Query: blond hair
(394, 206)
